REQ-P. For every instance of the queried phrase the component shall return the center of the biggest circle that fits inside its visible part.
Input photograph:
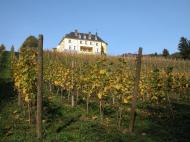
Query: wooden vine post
(39, 87)
(135, 92)
(72, 79)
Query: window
(69, 41)
(69, 47)
(96, 44)
(81, 42)
(74, 47)
(97, 50)
(89, 37)
(86, 49)
(90, 43)
(79, 36)
(85, 42)
(84, 36)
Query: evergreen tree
(2, 55)
(184, 48)
(165, 53)
(2, 48)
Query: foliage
(2, 55)
(31, 41)
(2, 48)
(24, 70)
(184, 48)
(107, 82)
(165, 53)
(176, 55)
(106, 79)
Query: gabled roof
(81, 36)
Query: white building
(82, 43)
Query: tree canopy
(165, 52)
(31, 41)
(184, 48)
(2, 48)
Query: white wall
(75, 45)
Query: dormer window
(79, 36)
(89, 35)
(84, 36)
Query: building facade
(82, 43)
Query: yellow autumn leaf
(129, 97)
(26, 99)
(118, 86)
(103, 71)
(100, 95)
(125, 101)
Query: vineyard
(95, 92)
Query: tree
(31, 41)
(165, 53)
(184, 48)
(2, 55)
(176, 55)
(2, 48)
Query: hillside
(64, 123)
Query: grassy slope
(63, 123)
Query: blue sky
(124, 24)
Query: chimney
(89, 35)
(79, 36)
(96, 36)
(76, 32)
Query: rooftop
(83, 36)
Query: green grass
(65, 124)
